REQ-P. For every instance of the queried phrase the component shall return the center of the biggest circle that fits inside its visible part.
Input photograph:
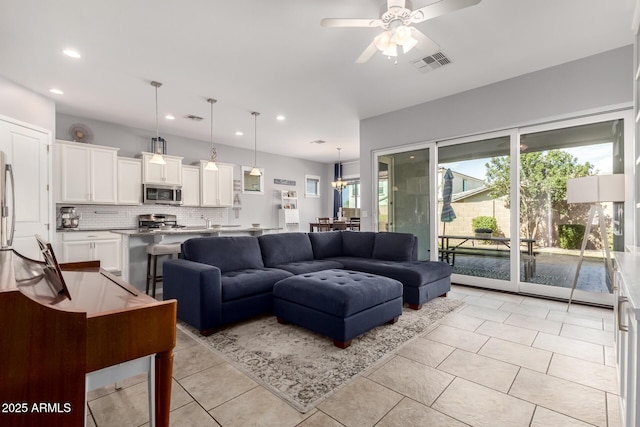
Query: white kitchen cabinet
(190, 186)
(216, 187)
(168, 174)
(627, 317)
(87, 173)
(89, 246)
(129, 181)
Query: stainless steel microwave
(156, 194)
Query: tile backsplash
(117, 217)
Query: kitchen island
(135, 242)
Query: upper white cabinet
(129, 181)
(216, 187)
(87, 173)
(190, 186)
(169, 174)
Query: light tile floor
(500, 360)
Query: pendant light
(339, 184)
(255, 171)
(158, 144)
(211, 164)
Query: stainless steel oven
(155, 194)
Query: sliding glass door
(474, 210)
(512, 227)
(494, 206)
(552, 154)
(403, 196)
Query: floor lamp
(595, 190)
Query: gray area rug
(303, 367)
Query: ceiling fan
(398, 22)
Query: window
(351, 195)
(312, 186)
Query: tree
(543, 185)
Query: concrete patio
(552, 268)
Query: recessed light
(169, 117)
(280, 117)
(71, 53)
(239, 133)
(56, 91)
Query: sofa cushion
(327, 244)
(358, 243)
(285, 248)
(394, 246)
(249, 282)
(410, 273)
(226, 253)
(301, 267)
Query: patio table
(449, 249)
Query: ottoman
(341, 304)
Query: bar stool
(155, 250)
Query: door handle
(621, 327)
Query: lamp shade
(596, 189)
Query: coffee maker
(68, 217)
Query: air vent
(432, 62)
(192, 117)
(318, 141)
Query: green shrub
(487, 224)
(570, 235)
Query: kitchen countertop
(76, 230)
(193, 230)
(183, 230)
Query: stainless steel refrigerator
(7, 202)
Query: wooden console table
(50, 342)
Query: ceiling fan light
(382, 41)
(391, 50)
(402, 35)
(408, 45)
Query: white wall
(591, 83)
(255, 208)
(21, 104)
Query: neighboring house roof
(465, 194)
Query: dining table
(335, 225)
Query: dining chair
(354, 223)
(324, 224)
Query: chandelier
(339, 184)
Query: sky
(598, 154)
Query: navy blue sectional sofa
(220, 280)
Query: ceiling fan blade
(395, 3)
(425, 44)
(367, 54)
(440, 8)
(347, 22)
